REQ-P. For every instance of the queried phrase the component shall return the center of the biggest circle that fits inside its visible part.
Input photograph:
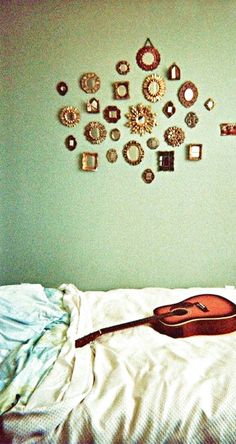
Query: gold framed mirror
(191, 120)
(111, 155)
(195, 151)
(95, 132)
(115, 134)
(123, 67)
(153, 143)
(89, 161)
(90, 82)
(121, 90)
(69, 116)
(141, 119)
(133, 152)
(154, 88)
(188, 94)
(174, 136)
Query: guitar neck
(92, 336)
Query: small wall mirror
(90, 82)
(111, 114)
(191, 120)
(70, 143)
(148, 57)
(141, 119)
(95, 132)
(209, 104)
(153, 143)
(69, 116)
(133, 152)
(112, 155)
(121, 90)
(115, 134)
(166, 160)
(174, 136)
(188, 94)
(148, 176)
(194, 152)
(89, 161)
(92, 106)
(62, 88)
(173, 72)
(154, 88)
(123, 67)
(169, 109)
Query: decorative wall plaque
(148, 57)
(174, 136)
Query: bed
(135, 386)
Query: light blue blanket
(33, 328)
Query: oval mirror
(153, 143)
(188, 94)
(90, 82)
(154, 88)
(133, 152)
(115, 134)
(95, 132)
(69, 116)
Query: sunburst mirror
(141, 119)
(154, 88)
(90, 82)
(69, 116)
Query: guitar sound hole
(179, 311)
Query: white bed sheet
(134, 386)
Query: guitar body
(206, 314)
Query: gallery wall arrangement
(141, 118)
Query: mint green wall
(109, 229)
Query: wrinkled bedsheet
(134, 386)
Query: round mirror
(90, 82)
(188, 94)
(123, 67)
(154, 88)
(69, 116)
(95, 132)
(141, 119)
(115, 134)
(153, 143)
(133, 152)
(148, 57)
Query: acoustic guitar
(204, 314)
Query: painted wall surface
(108, 228)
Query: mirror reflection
(188, 94)
(133, 152)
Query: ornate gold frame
(69, 116)
(101, 129)
(126, 149)
(84, 82)
(141, 119)
(174, 136)
(117, 94)
(181, 94)
(148, 94)
(123, 63)
(115, 134)
(111, 155)
(86, 157)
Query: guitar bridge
(201, 306)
